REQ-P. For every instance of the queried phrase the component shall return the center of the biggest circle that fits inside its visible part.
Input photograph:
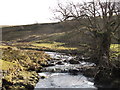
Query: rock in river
(73, 61)
(60, 63)
(74, 71)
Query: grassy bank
(53, 45)
(20, 68)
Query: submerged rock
(48, 64)
(42, 77)
(65, 61)
(74, 71)
(60, 63)
(73, 61)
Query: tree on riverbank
(101, 19)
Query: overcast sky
(20, 12)
(17, 12)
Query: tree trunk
(104, 50)
(101, 48)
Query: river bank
(20, 68)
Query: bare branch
(98, 16)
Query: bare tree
(102, 19)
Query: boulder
(51, 64)
(60, 63)
(73, 61)
(65, 61)
(74, 71)
(48, 64)
(42, 77)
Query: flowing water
(59, 75)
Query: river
(63, 74)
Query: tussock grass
(54, 46)
(4, 46)
(6, 65)
(115, 47)
(115, 54)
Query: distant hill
(62, 32)
(1, 26)
(25, 31)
